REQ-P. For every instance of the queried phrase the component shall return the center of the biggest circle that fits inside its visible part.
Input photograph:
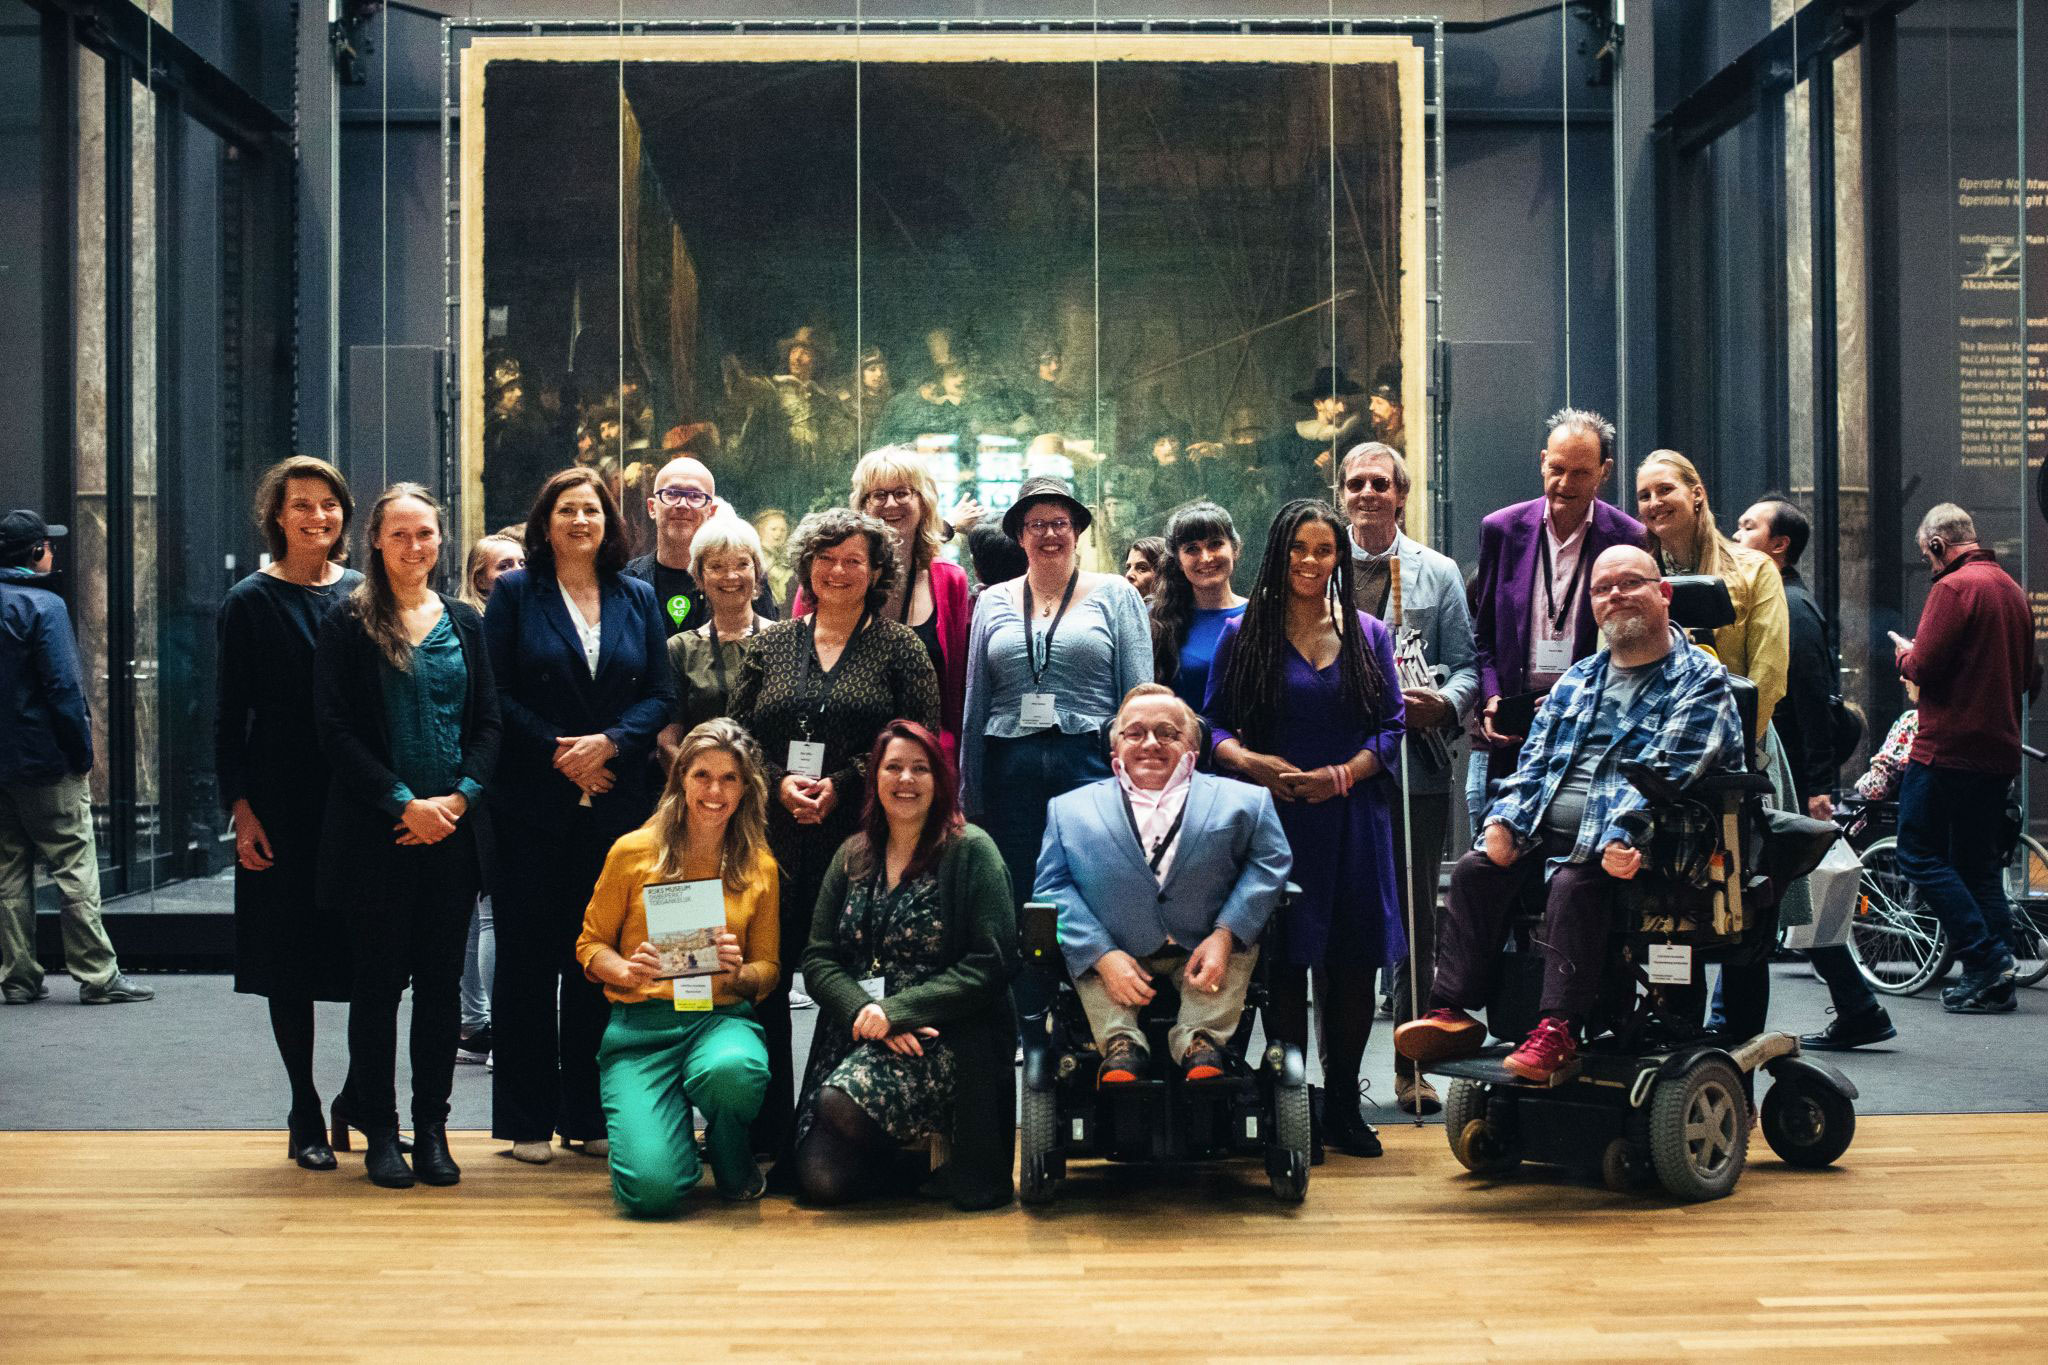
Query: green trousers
(52, 823)
(655, 1063)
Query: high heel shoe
(383, 1162)
(432, 1162)
(306, 1143)
(343, 1121)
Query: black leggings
(291, 1023)
(1347, 1018)
(847, 1155)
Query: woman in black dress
(814, 693)
(273, 779)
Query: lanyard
(1165, 841)
(873, 922)
(1552, 612)
(909, 589)
(1030, 648)
(803, 682)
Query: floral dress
(896, 935)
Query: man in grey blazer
(1430, 610)
(1161, 871)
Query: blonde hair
(1712, 552)
(480, 556)
(746, 833)
(899, 462)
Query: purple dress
(1344, 847)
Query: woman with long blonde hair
(663, 1055)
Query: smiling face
(677, 520)
(906, 782)
(1153, 734)
(1139, 573)
(1208, 563)
(311, 517)
(1311, 559)
(729, 580)
(576, 526)
(408, 538)
(508, 555)
(894, 500)
(1372, 501)
(711, 791)
(842, 575)
(1666, 504)
(1048, 534)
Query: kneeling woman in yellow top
(659, 1057)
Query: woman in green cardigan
(910, 958)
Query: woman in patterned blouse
(814, 693)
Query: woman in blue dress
(1303, 701)
(1194, 598)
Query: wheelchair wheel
(1699, 1131)
(1898, 944)
(2026, 887)
(1807, 1123)
(1287, 1158)
(1479, 1145)
(1039, 1166)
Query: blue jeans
(479, 965)
(1846, 987)
(1021, 777)
(1951, 832)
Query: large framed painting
(1168, 266)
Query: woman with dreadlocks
(1303, 701)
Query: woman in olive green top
(726, 560)
(910, 961)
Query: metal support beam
(120, 466)
(58, 119)
(1638, 415)
(1820, 162)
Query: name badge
(1670, 964)
(1552, 656)
(693, 993)
(877, 987)
(806, 758)
(1036, 711)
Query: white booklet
(683, 920)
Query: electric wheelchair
(1259, 1109)
(1653, 1095)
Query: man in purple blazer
(1533, 615)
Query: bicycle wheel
(1898, 944)
(2026, 887)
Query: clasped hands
(638, 970)
(1130, 985)
(871, 1025)
(807, 799)
(1289, 783)
(429, 819)
(583, 759)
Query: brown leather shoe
(1414, 1095)
(1204, 1061)
(1442, 1035)
(1123, 1063)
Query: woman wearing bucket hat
(1049, 657)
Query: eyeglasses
(1049, 526)
(1165, 734)
(1620, 586)
(904, 495)
(1378, 483)
(693, 498)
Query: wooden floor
(1932, 1237)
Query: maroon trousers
(1577, 915)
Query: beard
(1629, 628)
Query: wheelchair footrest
(1488, 1068)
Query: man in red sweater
(1972, 658)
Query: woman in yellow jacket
(663, 1054)
(1672, 501)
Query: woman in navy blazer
(580, 654)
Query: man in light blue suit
(1161, 871)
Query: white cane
(1415, 1004)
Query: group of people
(473, 795)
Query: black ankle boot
(344, 1120)
(384, 1163)
(431, 1160)
(1346, 1130)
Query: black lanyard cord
(803, 683)
(1030, 611)
(1165, 841)
(1552, 612)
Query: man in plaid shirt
(1648, 698)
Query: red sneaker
(1548, 1050)
(1442, 1035)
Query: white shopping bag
(1833, 887)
